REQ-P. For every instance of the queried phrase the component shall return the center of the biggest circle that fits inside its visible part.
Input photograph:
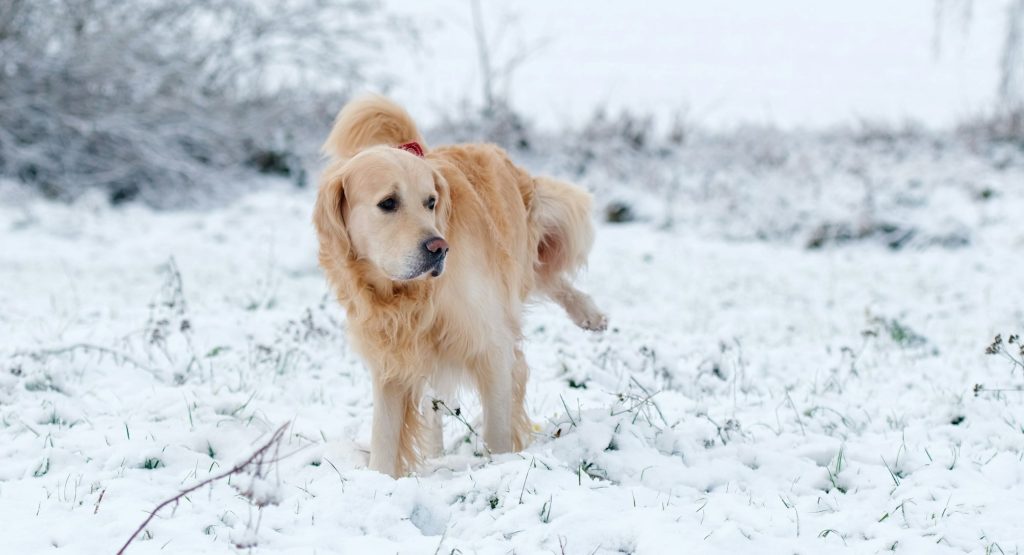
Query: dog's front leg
(494, 381)
(389, 409)
(434, 436)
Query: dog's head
(387, 207)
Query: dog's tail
(562, 214)
(367, 121)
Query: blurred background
(793, 63)
(168, 103)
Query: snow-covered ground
(752, 395)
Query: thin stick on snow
(254, 457)
(797, 414)
(534, 461)
(567, 411)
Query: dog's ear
(328, 217)
(443, 208)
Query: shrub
(165, 100)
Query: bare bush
(163, 100)
(500, 54)
(1006, 123)
(1011, 64)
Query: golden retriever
(433, 253)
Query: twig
(440, 543)
(340, 477)
(641, 406)
(457, 413)
(527, 477)
(567, 412)
(797, 413)
(981, 388)
(730, 425)
(55, 351)
(98, 501)
(484, 55)
(258, 454)
(650, 398)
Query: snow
(796, 360)
(751, 394)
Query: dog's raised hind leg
(577, 304)
(521, 425)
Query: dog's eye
(388, 205)
(431, 202)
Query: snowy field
(752, 395)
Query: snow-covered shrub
(1005, 126)
(166, 100)
(896, 185)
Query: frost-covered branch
(162, 100)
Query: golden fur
(421, 323)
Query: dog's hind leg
(521, 425)
(577, 304)
(561, 215)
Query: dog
(433, 253)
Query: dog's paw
(589, 317)
(597, 322)
(581, 309)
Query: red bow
(412, 147)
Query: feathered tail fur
(368, 121)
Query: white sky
(788, 62)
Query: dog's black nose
(436, 246)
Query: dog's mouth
(438, 268)
(431, 267)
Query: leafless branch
(257, 458)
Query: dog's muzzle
(435, 250)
